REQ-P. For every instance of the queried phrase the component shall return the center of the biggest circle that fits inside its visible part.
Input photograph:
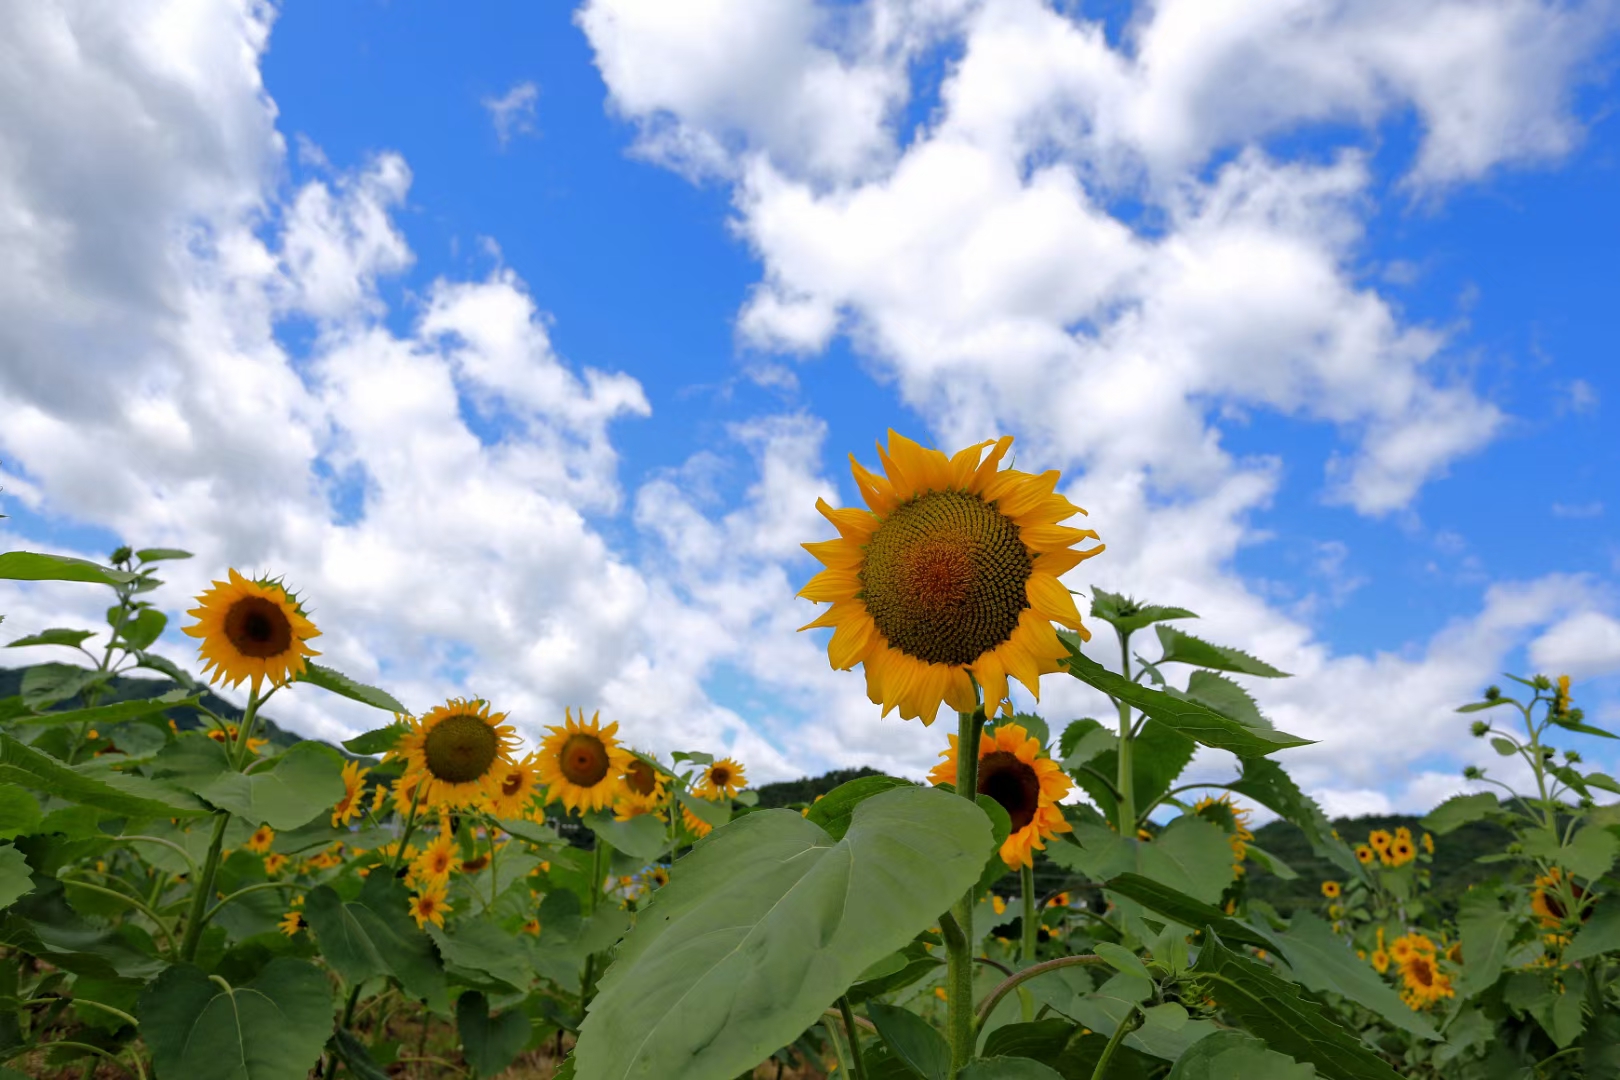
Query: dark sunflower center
(512, 784)
(584, 760)
(944, 577)
(1012, 784)
(1421, 970)
(258, 627)
(460, 748)
(719, 776)
(640, 778)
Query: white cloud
(512, 113)
(1583, 646)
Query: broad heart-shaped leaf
(1198, 722)
(33, 566)
(43, 925)
(1127, 616)
(478, 952)
(1191, 856)
(643, 836)
(1591, 852)
(1323, 961)
(43, 685)
(116, 713)
(1278, 1012)
(1083, 740)
(272, 1028)
(306, 781)
(1008, 1068)
(343, 686)
(1600, 934)
(14, 875)
(1486, 930)
(1188, 910)
(377, 741)
(145, 628)
(54, 636)
(1158, 756)
(833, 810)
(19, 813)
(490, 1043)
(1232, 1055)
(912, 1039)
(374, 935)
(1187, 649)
(1264, 781)
(116, 793)
(765, 923)
(1458, 811)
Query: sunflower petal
(923, 469)
(832, 585)
(987, 468)
(850, 642)
(959, 693)
(852, 522)
(1048, 596)
(876, 490)
(1050, 537)
(1027, 494)
(1059, 562)
(837, 554)
(992, 676)
(964, 462)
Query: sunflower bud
(1492, 693)
(123, 554)
(1541, 682)
(1473, 772)
(1480, 729)
(1572, 756)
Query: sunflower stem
(1126, 1026)
(1126, 782)
(410, 824)
(203, 887)
(959, 955)
(854, 1035)
(1030, 928)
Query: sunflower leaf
(912, 1039)
(1323, 961)
(1187, 910)
(340, 684)
(1126, 615)
(767, 921)
(490, 1042)
(158, 554)
(1264, 781)
(1459, 810)
(377, 741)
(116, 793)
(833, 810)
(54, 636)
(1232, 1055)
(642, 836)
(272, 1028)
(713, 814)
(1186, 649)
(1197, 722)
(374, 935)
(145, 628)
(116, 713)
(15, 879)
(305, 782)
(33, 566)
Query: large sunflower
(581, 764)
(641, 790)
(456, 747)
(722, 778)
(1027, 784)
(251, 630)
(950, 576)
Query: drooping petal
(850, 643)
(959, 693)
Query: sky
(523, 339)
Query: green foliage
(1159, 756)
(913, 1040)
(1232, 1055)
(1183, 648)
(372, 936)
(490, 1042)
(272, 1028)
(834, 810)
(33, 566)
(117, 793)
(1126, 615)
(340, 684)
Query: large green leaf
(1043, 1040)
(373, 935)
(33, 566)
(1278, 1012)
(1158, 756)
(912, 1039)
(642, 836)
(1323, 961)
(1188, 910)
(14, 875)
(1190, 855)
(43, 685)
(305, 782)
(145, 628)
(272, 1028)
(714, 814)
(1458, 811)
(1128, 616)
(340, 684)
(833, 810)
(1264, 781)
(1225, 697)
(1106, 1008)
(43, 925)
(765, 923)
(116, 713)
(1486, 930)
(1232, 1055)
(1008, 1068)
(1600, 934)
(1184, 648)
(377, 741)
(53, 636)
(131, 796)
(489, 1042)
(478, 952)
(1198, 722)
(19, 813)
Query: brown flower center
(460, 748)
(1012, 784)
(1420, 970)
(512, 784)
(583, 760)
(640, 778)
(719, 776)
(258, 628)
(944, 577)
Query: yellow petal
(876, 490)
(837, 554)
(832, 585)
(992, 676)
(987, 468)
(964, 462)
(1028, 494)
(1048, 596)
(1048, 511)
(849, 643)
(1021, 665)
(1059, 562)
(959, 693)
(922, 469)
(852, 522)
(1050, 537)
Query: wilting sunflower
(510, 788)
(1015, 773)
(1233, 820)
(354, 785)
(251, 630)
(262, 838)
(428, 905)
(641, 790)
(456, 748)
(581, 763)
(1425, 985)
(723, 777)
(950, 576)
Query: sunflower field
(185, 898)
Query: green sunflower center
(460, 748)
(640, 778)
(1012, 784)
(944, 577)
(258, 627)
(584, 760)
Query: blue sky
(1394, 467)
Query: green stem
(1126, 1026)
(410, 823)
(1026, 881)
(1014, 981)
(959, 957)
(260, 887)
(854, 1037)
(348, 1017)
(132, 901)
(121, 1014)
(203, 885)
(1126, 782)
(840, 1050)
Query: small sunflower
(511, 787)
(292, 922)
(262, 838)
(1365, 854)
(1408, 945)
(1380, 961)
(274, 863)
(641, 790)
(251, 630)
(950, 576)
(694, 824)
(428, 905)
(1380, 840)
(227, 736)
(1331, 890)
(1560, 702)
(723, 777)
(1424, 982)
(354, 785)
(657, 877)
(581, 764)
(462, 744)
(1015, 773)
(435, 861)
(409, 791)
(532, 928)
(1401, 851)
(1234, 820)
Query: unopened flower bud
(1572, 756)
(1492, 693)
(123, 554)
(1480, 729)
(1473, 772)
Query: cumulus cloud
(1583, 646)
(512, 113)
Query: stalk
(1126, 777)
(203, 886)
(1030, 935)
(1126, 1026)
(959, 953)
